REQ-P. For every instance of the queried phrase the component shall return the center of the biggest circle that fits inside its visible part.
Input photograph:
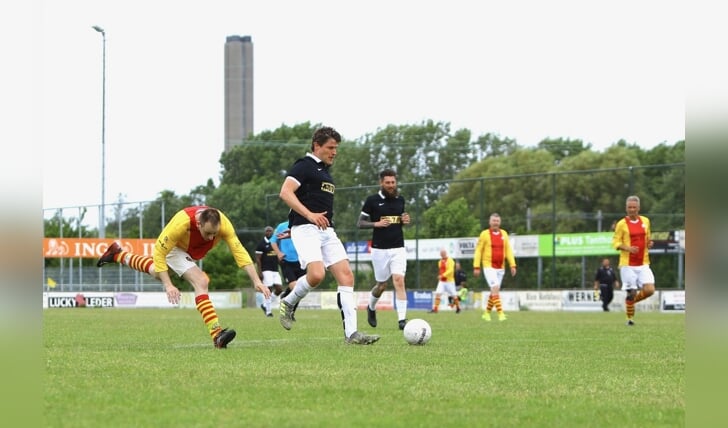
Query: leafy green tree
(448, 179)
(453, 219)
(224, 273)
(266, 156)
(426, 153)
(562, 148)
(505, 184)
(59, 225)
(492, 145)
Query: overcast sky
(599, 72)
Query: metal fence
(537, 203)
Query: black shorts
(291, 271)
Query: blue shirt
(285, 244)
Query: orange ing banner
(93, 248)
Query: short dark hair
(210, 215)
(387, 173)
(324, 134)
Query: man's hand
(406, 218)
(262, 288)
(320, 220)
(173, 294)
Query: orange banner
(93, 248)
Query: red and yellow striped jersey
(633, 234)
(182, 232)
(493, 250)
(447, 270)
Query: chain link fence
(529, 204)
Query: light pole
(102, 214)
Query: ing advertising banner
(93, 248)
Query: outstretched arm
(257, 283)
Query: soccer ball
(417, 332)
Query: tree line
(451, 183)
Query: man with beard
(384, 213)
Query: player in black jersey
(309, 192)
(267, 261)
(384, 213)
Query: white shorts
(493, 277)
(271, 278)
(446, 288)
(392, 261)
(179, 261)
(316, 245)
(634, 277)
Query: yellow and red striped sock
(489, 306)
(629, 305)
(639, 296)
(139, 263)
(209, 316)
(497, 304)
(456, 302)
(437, 303)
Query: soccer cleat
(372, 317)
(270, 315)
(357, 338)
(286, 314)
(108, 256)
(432, 311)
(502, 316)
(486, 316)
(457, 311)
(223, 338)
(630, 322)
(402, 323)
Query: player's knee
(314, 278)
(630, 295)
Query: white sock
(299, 291)
(401, 309)
(348, 309)
(373, 301)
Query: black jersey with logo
(377, 207)
(268, 259)
(316, 191)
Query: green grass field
(158, 368)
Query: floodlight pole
(102, 214)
